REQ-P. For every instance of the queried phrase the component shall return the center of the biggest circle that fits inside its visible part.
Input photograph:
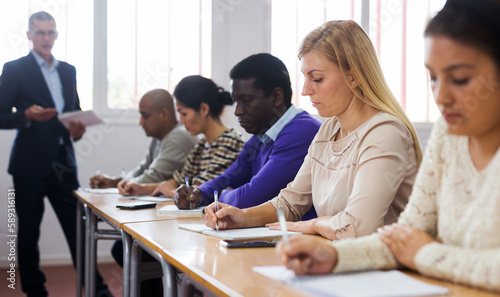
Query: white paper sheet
(392, 283)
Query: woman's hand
(228, 217)
(319, 225)
(308, 255)
(166, 188)
(304, 227)
(404, 242)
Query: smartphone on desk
(136, 205)
(248, 244)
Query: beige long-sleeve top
(456, 204)
(363, 180)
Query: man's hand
(39, 114)
(100, 181)
(76, 129)
(183, 200)
(133, 189)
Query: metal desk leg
(79, 248)
(169, 277)
(135, 261)
(169, 272)
(187, 287)
(127, 246)
(90, 253)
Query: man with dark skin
(281, 137)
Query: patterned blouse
(209, 160)
(454, 203)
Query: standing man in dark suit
(42, 160)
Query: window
(150, 44)
(396, 35)
(154, 44)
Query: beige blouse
(454, 203)
(363, 180)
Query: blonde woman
(361, 165)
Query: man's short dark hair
(39, 16)
(269, 73)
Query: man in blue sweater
(281, 137)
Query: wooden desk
(228, 272)
(104, 206)
(202, 259)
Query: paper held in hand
(87, 118)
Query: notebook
(376, 283)
(172, 209)
(236, 234)
(100, 191)
(149, 198)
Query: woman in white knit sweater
(451, 226)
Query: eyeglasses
(42, 34)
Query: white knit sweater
(456, 204)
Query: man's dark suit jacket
(37, 144)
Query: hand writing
(308, 254)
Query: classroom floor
(61, 281)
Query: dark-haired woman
(200, 102)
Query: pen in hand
(188, 192)
(284, 231)
(216, 199)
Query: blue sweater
(260, 172)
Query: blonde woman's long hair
(347, 45)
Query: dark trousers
(58, 188)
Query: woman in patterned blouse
(200, 102)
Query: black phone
(247, 244)
(136, 205)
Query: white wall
(240, 28)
